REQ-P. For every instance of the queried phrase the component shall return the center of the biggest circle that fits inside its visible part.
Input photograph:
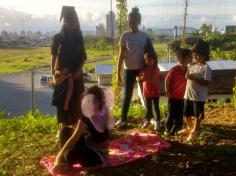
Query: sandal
(184, 131)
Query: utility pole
(32, 93)
(185, 19)
(112, 30)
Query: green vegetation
(234, 92)
(25, 140)
(21, 59)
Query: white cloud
(234, 18)
(6, 24)
(203, 19)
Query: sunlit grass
(21, 59)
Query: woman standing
(132, 44)
(68, 49)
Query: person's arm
(140, 76)
(120, 62)
(150, 49)
(167, 82)
(56, 41)
(78, 71)
(53, 61)
(167, 87)
(80, 129)
(199, 80)
(68, 93)
(60, 79)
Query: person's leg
(188, 113)
(178, 117)
(157, 108)
(129, 81)
(149, 113)
(65, 134)
(198, 114)
(62, 117)
(170, 116)
(81, 154)
(157, 121)
(75, 102)
(69, 91)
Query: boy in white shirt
(198, 77)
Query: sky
(44, 15)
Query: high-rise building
(100, 30)
(110, 25)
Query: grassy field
(25, 140)
(14, 60)
(21, 59)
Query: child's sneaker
(145, 124)
(156, 124)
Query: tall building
(110, 25)
(100, 30)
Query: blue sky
(44, 14)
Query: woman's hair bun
(135, 9)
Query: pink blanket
(128, 148)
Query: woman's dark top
(93, 134)
(69, 47)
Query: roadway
(15, 93)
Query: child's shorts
(194, 109)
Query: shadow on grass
(213, 153)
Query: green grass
(21, 59)
(25, 140)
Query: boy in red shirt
(175, 84)
(150, 89)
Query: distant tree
(122, 23)
(205, 29)
(122, 26)
(160, 37)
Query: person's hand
(76, 75)
(187, 75)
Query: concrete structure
(100, 30)
(104, 74)
(230, 28)
(110, 25)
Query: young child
(63, 88)
(175, 84)
(198, 77)
(88, 143)
(149, 77)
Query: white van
(46, 80)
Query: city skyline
(16, 15)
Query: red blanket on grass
(128, 148)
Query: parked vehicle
(46, 80)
